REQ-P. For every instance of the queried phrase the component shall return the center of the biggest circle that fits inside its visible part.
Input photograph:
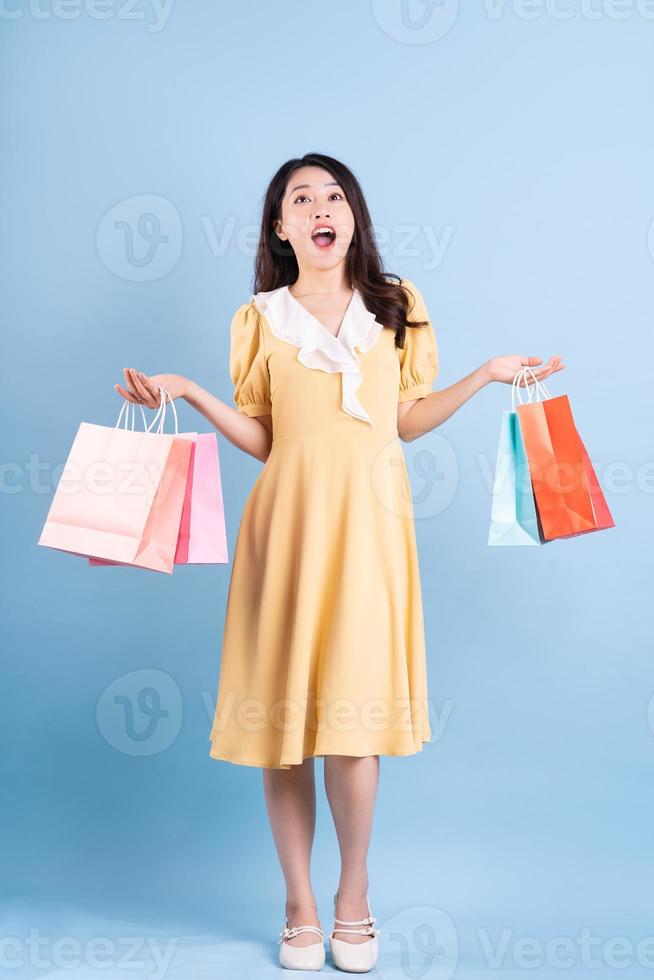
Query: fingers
(126, 394)
(151, 386)
(139, 389)
(528, 362)
(554, 364)
(539, 373)
(130, 385)
(143, 393)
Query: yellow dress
(323, 646)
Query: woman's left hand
(506, 366)
(144, 389)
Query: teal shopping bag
(514, 520)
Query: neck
(321, 281)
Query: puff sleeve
(248, 366)
(419, 360)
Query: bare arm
(421, 415)
(251, 434)
(424, 414)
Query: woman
(323, 654)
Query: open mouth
(324, 236)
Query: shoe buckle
(287, 933)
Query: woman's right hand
(144, 390)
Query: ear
(278, 228)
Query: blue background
(523, 144)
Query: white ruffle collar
(319, 348)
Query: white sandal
(355, 957)
(310, 957)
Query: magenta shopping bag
(202, 534)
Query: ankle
(355, 891)
(295, 907)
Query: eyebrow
(329, 183)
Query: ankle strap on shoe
(367, 931)
(368, 923)
(369, 920)
(289, 933)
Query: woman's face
(314, 200)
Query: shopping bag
(603, 515)
(159, 525)
(514, 520)
(569, 499)
(202, 537)
(120, 496)
(202, 533)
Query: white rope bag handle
(161, 414)
(127, 405)
(538, 390)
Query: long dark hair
(277, 266)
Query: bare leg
(351, 786)
(291, 804)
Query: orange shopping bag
(120, 496)
(568, 495)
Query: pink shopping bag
(202, 533)
(120, 496)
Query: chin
(328, 259)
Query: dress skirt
(323, 648)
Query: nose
(321, 213)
